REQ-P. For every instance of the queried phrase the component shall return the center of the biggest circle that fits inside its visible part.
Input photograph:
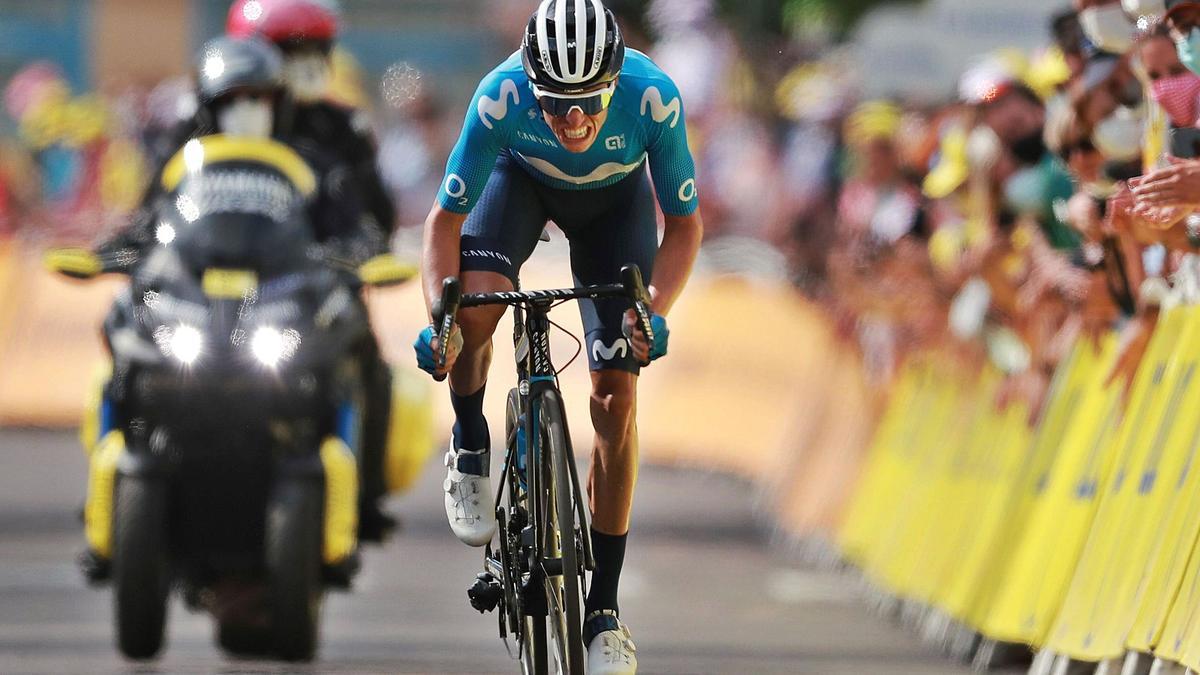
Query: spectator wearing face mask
(1172, 193)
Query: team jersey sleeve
(671, 163)
(484, 135)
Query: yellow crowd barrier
(1080, 536)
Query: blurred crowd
(1054, 199)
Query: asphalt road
(701, 591)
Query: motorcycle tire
(293, 557)
(141, 566)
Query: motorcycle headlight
(183, 342)
(271, 346)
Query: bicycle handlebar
(445, 309)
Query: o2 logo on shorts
(602, 352)
(456, 188)
(615, 142)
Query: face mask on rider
(248, 117)
(1178, 95)
(1119, 136)
(307, 76)
(1107, 28)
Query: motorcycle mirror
(385, 270)
(76, 263)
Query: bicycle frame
(532, 506)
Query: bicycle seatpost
(445, 311)
(631, 279)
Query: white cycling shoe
(611, 651)
(469, 505)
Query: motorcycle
(226, 464)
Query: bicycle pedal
(485, 593)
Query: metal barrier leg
(1137, 663)
(935, 628)
(964, 643)
(1162, 667)
(1043, 663)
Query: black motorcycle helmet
(227, 67)
(554, 36)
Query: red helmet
(283, 20)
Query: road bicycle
(535, 570)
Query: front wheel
(293, 558)
(141, 566)
(564, 588)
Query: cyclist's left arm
(674, 174)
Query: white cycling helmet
(571, 46)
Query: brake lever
(631, 279)
(444, 313)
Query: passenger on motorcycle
(564, 130)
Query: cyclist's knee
(614, 393)
(478, 323)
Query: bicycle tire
(564, 593)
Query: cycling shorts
(607, 228)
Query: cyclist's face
(576, 131)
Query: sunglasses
(590, 103)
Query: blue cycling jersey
(645, 123)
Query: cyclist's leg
(497, 238)
(625, 232)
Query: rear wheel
(141, 566)
(564, 592)
(294, 568)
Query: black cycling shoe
(375, 525)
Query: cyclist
(565, 130)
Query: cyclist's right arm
(484, 133)
(441, 250)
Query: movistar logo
(498, 109)
(618, 350)
(652, 100)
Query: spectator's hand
(1177, 185)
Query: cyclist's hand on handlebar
(642, 351)
(426, 348)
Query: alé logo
(615, 142)
(619, 349)
(652, 100)
(498, 109)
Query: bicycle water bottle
(521, 450)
